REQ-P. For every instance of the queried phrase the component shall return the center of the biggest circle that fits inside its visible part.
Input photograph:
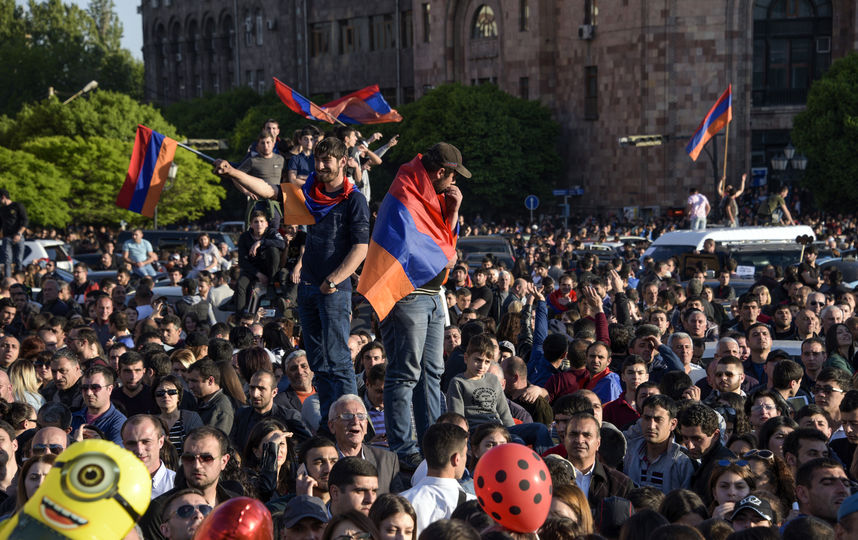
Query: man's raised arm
(256, 186)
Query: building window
(591, 93)
(406, 29)
(248, 30)
(792, 48)
(250, 77)
(523, 15)
(590, 12)
(426, 22)
(348, 41)
(381, 32)
(320, 39)
(484, 26)
(260, 81)
(259, 23)
(198, 82)
(524, 87)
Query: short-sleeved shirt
(698, 203)
(138, 252)
(302, 164)
(269, 169)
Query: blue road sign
(531, 202)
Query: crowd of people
(373, 428)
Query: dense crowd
(346, 426)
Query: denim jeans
(534, 434)
(698, 223)
(413, 334)
(325, 324)
(13, 253)
(145, 270)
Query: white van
(687, 241)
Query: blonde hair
(22, 375)
(185, 356)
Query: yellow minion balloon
(95, 490)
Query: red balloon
(513, 486)
(241, 518)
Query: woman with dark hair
(763, 405)
(641, 524)
(394, 516)
(772, 474)
(42, 363)
(736, 402)
(31, 476)
(684, 507)
(267, 457)
(771, 435)
(483, 439)
(204, 256)
(741, 443)
(251, 360)
(841, 349)
(350, 524)
(231, 384)
(168, 392)
(274, 337)
(729, 483)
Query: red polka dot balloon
(513, 486)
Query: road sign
(531, 202)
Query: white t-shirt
(698, 203)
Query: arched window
(485, 26)
(792, 48)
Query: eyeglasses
(729, 413)
(828, 389)
(189, 459)
(187, 510)
(766, 407)
(348, 417)
(726, 462)
(96, 388)
(766, 455)
(170, 392)
(40, 449)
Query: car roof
(732, 235)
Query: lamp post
(788, 162)
(90, 86)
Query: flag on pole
(147, 173)
(719, 116)
(411, 243)
(300, 104)
(365, 106)
(309, 204)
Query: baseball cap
(507, 346)
(304, 506)
(449, 156)
(848, 506)
(175, 257)
(760, 506)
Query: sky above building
(132, 24)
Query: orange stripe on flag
(294, 208)
(383, 281)
(159, 178)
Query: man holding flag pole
(412, 248)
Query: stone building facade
(607, 68)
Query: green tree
(36, 184)
(827, 133)
(508, 144)
(213, 115)
(88, 143)
(53, 44)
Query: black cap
(304, 506)
(449, 157)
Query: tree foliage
(212, 116)
(86, 146)
(508, 144)
(36, 184)
(53, 44)
(827, 133)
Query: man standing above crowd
(336, 245)
(697, 208)
(13, 221)
(139, 254)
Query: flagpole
(197, 152)
(726, 147)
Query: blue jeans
(533, 434)
(145, 270)
(325, 324)
(698, 223)
(13, 252)
(413, 335)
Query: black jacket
(702, 472)
(247, 417)
(607, 482)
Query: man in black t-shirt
(481, 293)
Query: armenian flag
(147, 173)
(309, 204)
(365, 106)
(719, 116)
(411, 243)
(300, 104)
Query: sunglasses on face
(766, 455)
(41, 449)
(189, 459)
(96, 388)
(39, 364)
(170, 392)
(187, 510)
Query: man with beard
(183, 514)
(96, 386)
(336, 245)
(262, 389)
(133, 396)
(65, 387)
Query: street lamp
(789, 161)
(90, 86)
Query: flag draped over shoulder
(365, 106)
(300, 104)
(309, 204)
(147, 173)
(719, 116)
(411, 242)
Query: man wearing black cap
(413, 329)
(752, 511)
(13, 219)
(304, 518)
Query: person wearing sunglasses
(828, 390)
(168, 392)
(96, 386)
(183, 513)
(48, 440)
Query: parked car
(848, 267)
(42, 250)
(474, 248)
